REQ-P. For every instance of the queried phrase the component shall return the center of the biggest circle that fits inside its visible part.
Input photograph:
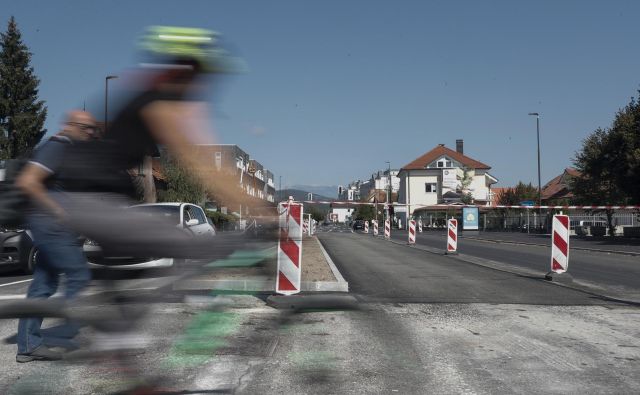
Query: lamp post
(388, 189)
(106, 97)
(538, 136)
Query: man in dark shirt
(59, 251)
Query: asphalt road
(427, 323)
(617, 274)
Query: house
(443, 176)
(558, 190)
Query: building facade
(443, 176)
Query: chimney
(459, 146)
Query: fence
(536, 221)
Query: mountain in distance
(330, 191)
(301, 195)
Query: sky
(336, 88)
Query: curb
(262, 285)
(497, 241)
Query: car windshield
(172, 212)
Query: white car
(187, 216)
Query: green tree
(520, 193)
(365, 211)
(22, 115)
(316, 213)
(465, 181)
(181, 187)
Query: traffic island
(562, 278)
(255, 271)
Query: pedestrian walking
(59, 250)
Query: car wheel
(32, 260)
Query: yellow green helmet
(189, 44)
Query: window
(431, 187)
(444, 163)
(218, 160)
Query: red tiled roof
(557, 187)
(439, 151)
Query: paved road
(617, 274)
(430, 324)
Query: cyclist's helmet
(171, 45)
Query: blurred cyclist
(168, 111)
(59, 251)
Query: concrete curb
(262, 285)
(498, 241)
(248, 285)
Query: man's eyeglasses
(84, 127)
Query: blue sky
(336, 88)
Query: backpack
(13, 203)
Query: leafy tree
(181, 187)
(365, 211)
(465, 181)
(316, 213)
(514, 196)
(609, 161)
(22, 115)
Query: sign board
(528, 203)
(470, 218)
(449, 179)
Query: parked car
(358, 224)
(188, 216)
(17, 251)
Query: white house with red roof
(436, 177)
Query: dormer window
(443, 163)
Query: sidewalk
(256, 272)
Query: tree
(181, 187)
(316, 213)
(520, 193)
(465, 181)
(609, 161)
(22, 115)
(365, 211)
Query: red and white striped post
(412, 232)
(305, 227)
(452, 236)
(420, 225)
(387, 229)
(560, 244)
(366, 226)
(289, 275)
(375, 227)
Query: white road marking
(16, 282)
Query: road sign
(470, 218)
(289, 248)
(560, 244)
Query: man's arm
(165, 120)
(31, 181)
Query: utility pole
(538, 136)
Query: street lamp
(388, 188)
(106, 97)
(538, 135)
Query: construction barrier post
(560, 249)
(452, 236)
(420, 225)
(288, 280)
(375, 227)
(387, 229)
(366, 226)
(412, 232)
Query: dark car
(17, 251)
(358, 224)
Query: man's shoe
(41, 353)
